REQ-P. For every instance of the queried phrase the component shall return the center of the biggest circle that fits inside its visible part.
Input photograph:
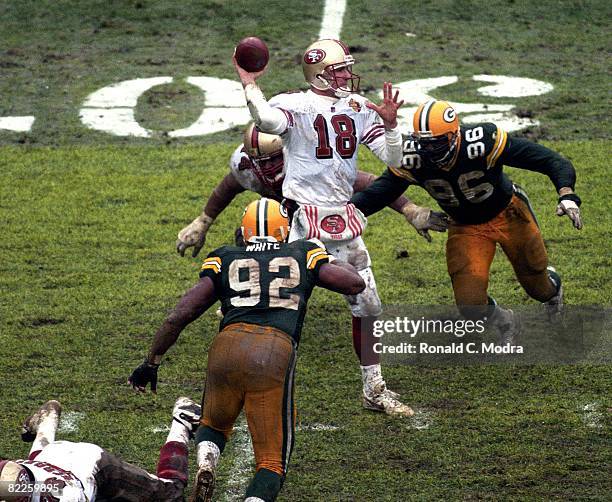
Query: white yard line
(241, 469)
(17, 124)
(160, 429)
(421, 420)
(317, 427)
(333, 15)
(591, 416)
(69, 421)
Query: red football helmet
(266, 154)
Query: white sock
(371, 376)
(208, 455)
(178, 432)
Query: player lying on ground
(263, 288)
(84, 472)
(257, 165)
(322, 130)
(462, 168)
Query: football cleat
(436, 133)
(554, 306)
(51, 410)
(187, 412)
(507, 324)
(204, 486)
(322, 63)
(379, 398)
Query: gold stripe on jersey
(213, 263)
(313, 256)
(498, 148)
(403, 173)
(316, 259)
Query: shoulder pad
(500, 140)
(236, 160)
(317, 242)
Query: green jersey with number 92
(266, 283)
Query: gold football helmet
(323, 60)
(266, 154)
(265, 219)
(436, 131)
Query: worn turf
(89, 220)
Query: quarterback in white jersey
(257, 165)
(64, 471)
(322, 134)
(321, 130)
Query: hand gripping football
(252, 54)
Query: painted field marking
(69, 421)
(591, 416)
(415, 92)
(17, 124)
(421, 420)
(333, 16)
(241, 468)
(111, 109)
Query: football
(252, 54)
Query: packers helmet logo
(314, 56)
(449, 115)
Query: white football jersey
(320, 145)
(240, 167)
(72, 464)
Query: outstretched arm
(525, 154)
(191, 306)
(267, 118)
(387, 147)
(423, 219)
(385, 189)
(364, 180)
(194, 234)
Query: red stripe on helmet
(343, 45)
(255, 140)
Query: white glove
(194, 235)
(424, 219)
(570, 208)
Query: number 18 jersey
(320, 145)
(266, 283)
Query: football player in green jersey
(263, 287)
(462, 168)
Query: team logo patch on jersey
(449, 115)
(355, 105)
(314, 56)
(333, 224)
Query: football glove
(194, 235)
(144, 374)
(424, 219)
(570, 204)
